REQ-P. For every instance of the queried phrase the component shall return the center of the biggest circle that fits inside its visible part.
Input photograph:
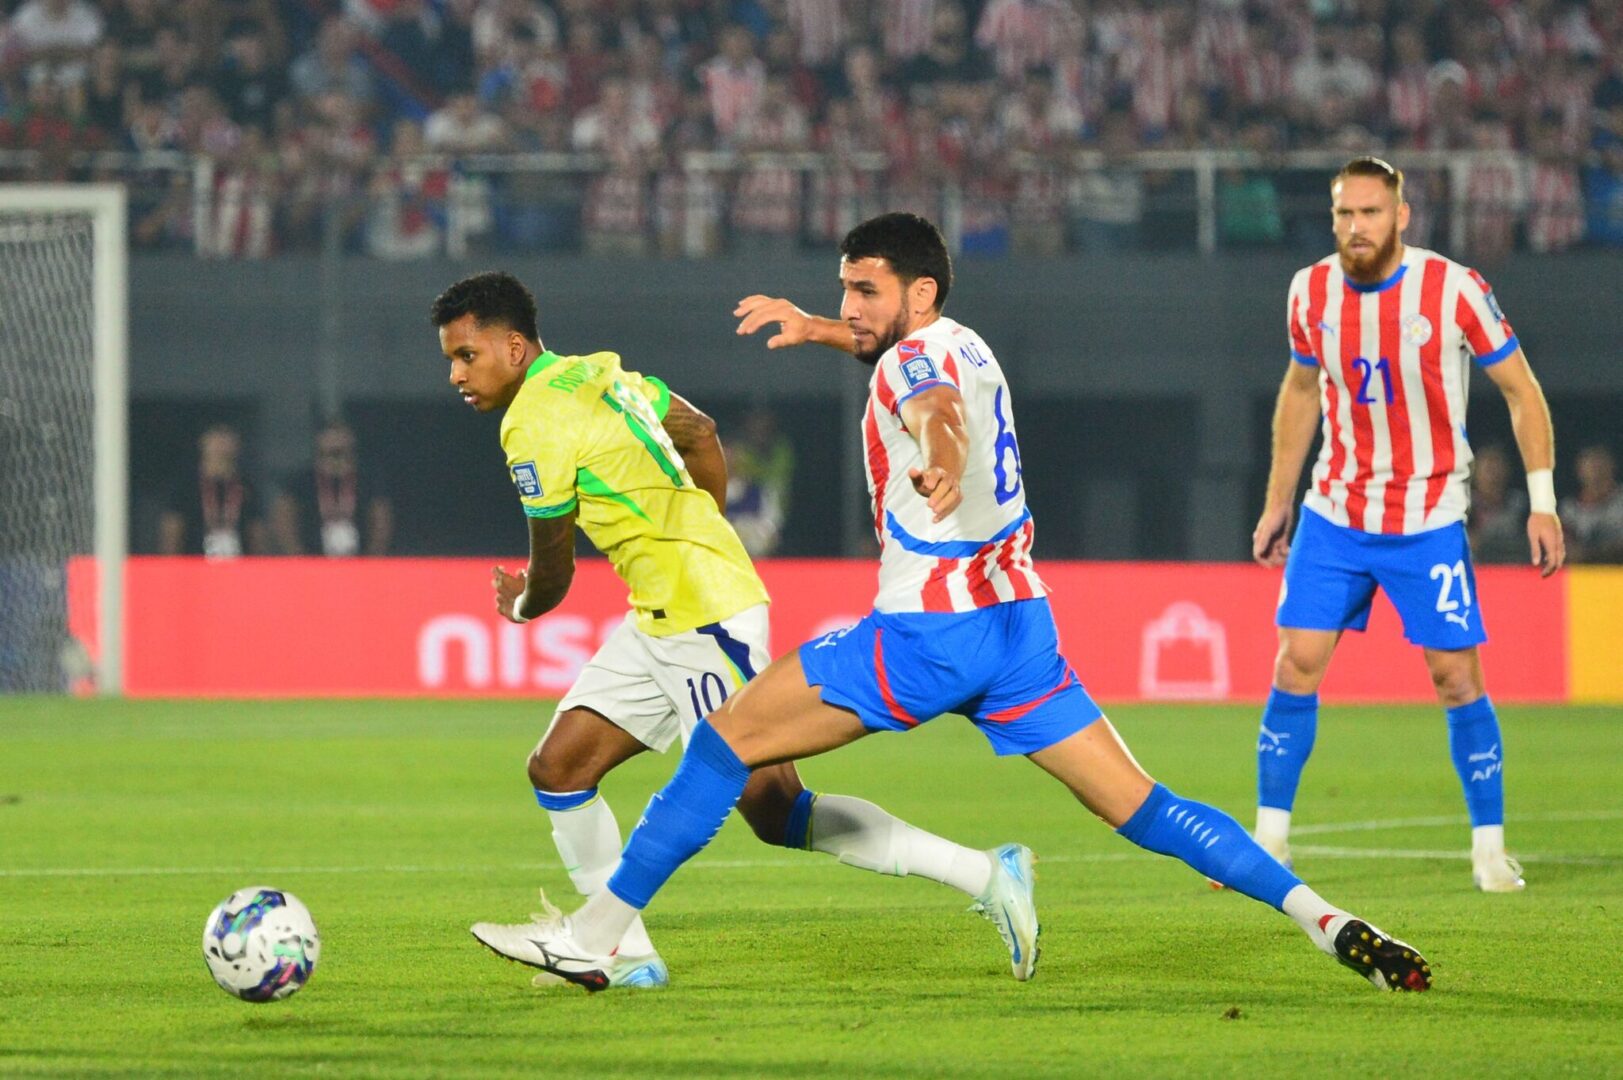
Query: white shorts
(656, 688)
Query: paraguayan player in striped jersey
(961, 624)
(1382, 339)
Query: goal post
(64, 319)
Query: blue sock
(1211, 842)
(1473, 741)
(797, 834)
(1289, 723)
(681, 818)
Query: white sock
(1273, 825)
(588, 840)
(1319, 920)
(603, 922)
(1487, 841)
(860, 834)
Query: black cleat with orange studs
(1385, 961)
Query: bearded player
(641, 471)
(1382, 337)
(961, 624)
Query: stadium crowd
(373, 123)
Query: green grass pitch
(399, 823)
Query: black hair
(911, 244)
(494, 296)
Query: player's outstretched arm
(1296, 414)
(534, 591)
(1535, 438)
(694, 436)
(935, 417)
(795, 327)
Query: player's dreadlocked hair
(1372, 166)
(494, 296)
(913, 247)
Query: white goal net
(63, 454)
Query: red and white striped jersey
(1394, 372)
(980, 554)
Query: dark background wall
(1144, 384)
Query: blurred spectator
(331, 64)
(1022, 34)
(766, 202)
(1498, 520)
(615, 219)
(1107, 201)
(734, 79)
(760, 472)
(1603, 188)
(462, 126)
(1248, 205)
(945, 52)
(213, 510)
(1593, 518)
(331, 509)
(55, 38)
(248, 83)
(1555, 206)
(1494, 191)
(407, 200)
(820, 30)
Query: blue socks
(564, 800)
(682, 817)
(1473, 742)
(1289, 723)
(797, 834)
(1211, 842)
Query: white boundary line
(1328, 852)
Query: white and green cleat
(1009, 905)
(546, 942)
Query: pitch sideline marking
(1330, 852)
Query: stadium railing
(705, 203)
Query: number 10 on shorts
(712, 698)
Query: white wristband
(1541, 491)
(517, 600)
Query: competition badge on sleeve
(527, 480)
(917, 367)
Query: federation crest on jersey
(527, 480)
(917, 367)
(1416, 329)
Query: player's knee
(1299, 669)
(1457, 682)
(554, 771)
(767, 804)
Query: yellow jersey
(585, 433)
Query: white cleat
(1008, 904)
(546, 942)
(1497, 873)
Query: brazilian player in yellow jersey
(640, 471)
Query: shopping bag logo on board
(1185, 656)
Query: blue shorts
(1000, 666)
(1332, 572)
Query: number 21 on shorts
(1452, 578)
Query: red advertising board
(396, 627)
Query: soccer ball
(260, 944)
